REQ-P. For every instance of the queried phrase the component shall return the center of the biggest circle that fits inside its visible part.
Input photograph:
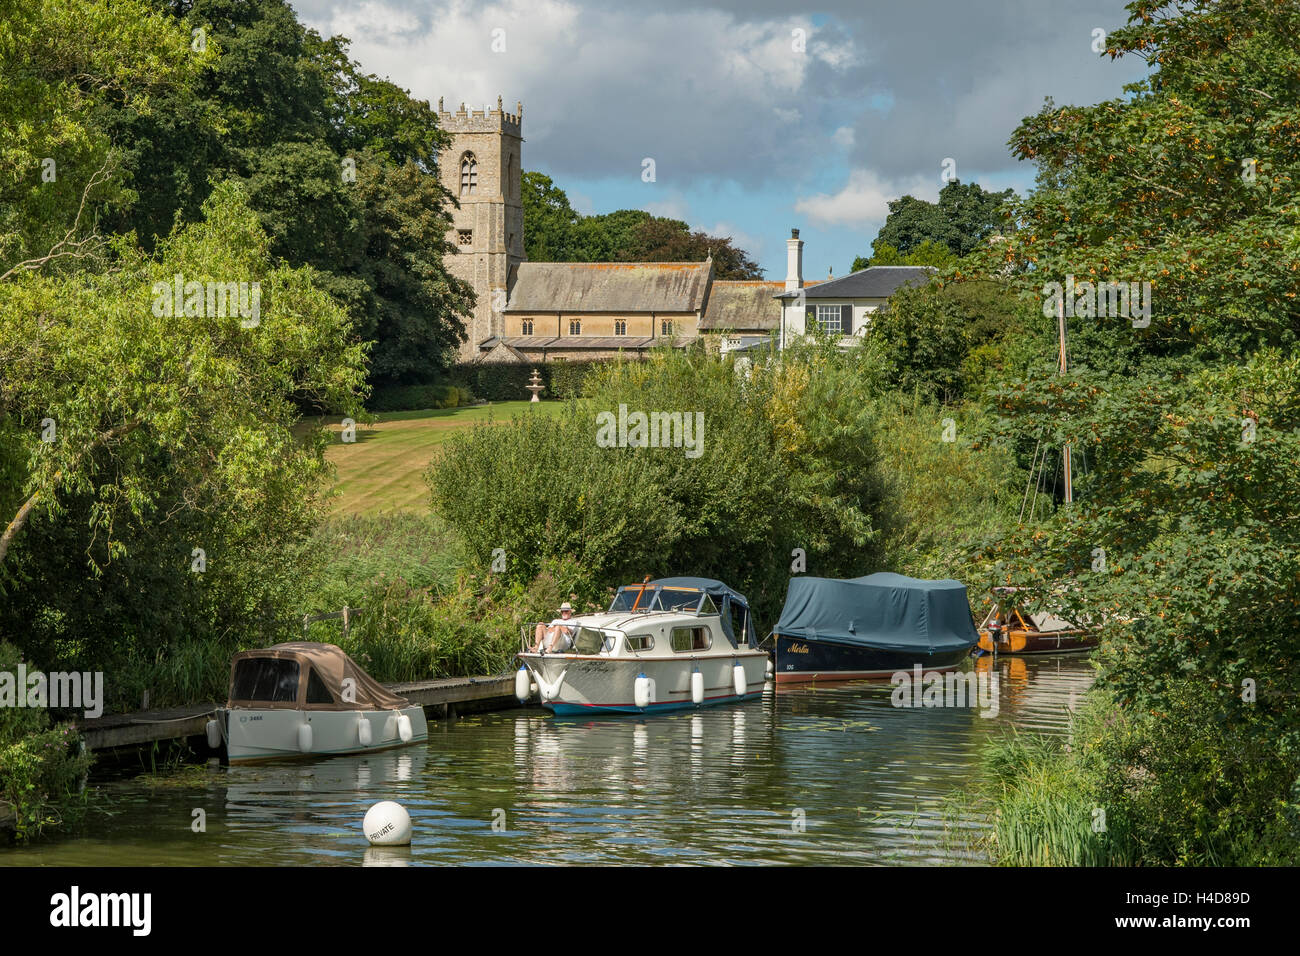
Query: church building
(566, 311)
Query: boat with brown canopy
(309, 699)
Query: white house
(839, 306)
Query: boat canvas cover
(884, 610)
(332, 667)
(723, 596)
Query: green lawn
(383, 470)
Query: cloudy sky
(758, 115)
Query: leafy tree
(962, 220)
(554, 232)
(1182, 544)
(928, 253)
(277, 106)
(61, 61)
(135, 434)
(549, 220)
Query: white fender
(404, 730)
(364, 733)
(214, 734)
(552, 690)
(697, 687)
(522, 683)
(771, 669)
(738, 677)
(304, 738)
(641, 691)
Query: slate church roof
(609, 287)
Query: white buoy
(697, 687)
(404, 730)
(214, 734)
(641, 691)
(522, 683)
(387, 824)
(364, 733)
(771, 669)
(738, 676)
(304, 738)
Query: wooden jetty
(440, 698)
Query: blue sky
(759, 115)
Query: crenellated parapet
(486, 120)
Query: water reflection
(809, 774)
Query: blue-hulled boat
(871, 626)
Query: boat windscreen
(265, 679)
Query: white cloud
(843, 136)
(739, 238)
(673, 206)
(604, 87)
(581, 202)
(863, 199)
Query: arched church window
(468, 175)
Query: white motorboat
(307, 699)
(670, 644)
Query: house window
(575, 327)
(620, 326)
(468, 175)
(666, 327)
(828, 317)
(465, 237)
(526, 327)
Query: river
(830, 774)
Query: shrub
(787, 460)
(406, 398)
(42, 764)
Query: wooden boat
(1008, 629)
(304, 699)
(665, 645)
(872, 626)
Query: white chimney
(794, 262)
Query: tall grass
(1046, 809)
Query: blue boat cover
(884, 610)
(723, 596)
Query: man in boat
(558, 635)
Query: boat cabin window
(265, 679)
(588, 641)
(691, 639)
(317, 692)
(707, 606)
(639, 642)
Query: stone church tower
(482, 170)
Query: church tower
(482, 170)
